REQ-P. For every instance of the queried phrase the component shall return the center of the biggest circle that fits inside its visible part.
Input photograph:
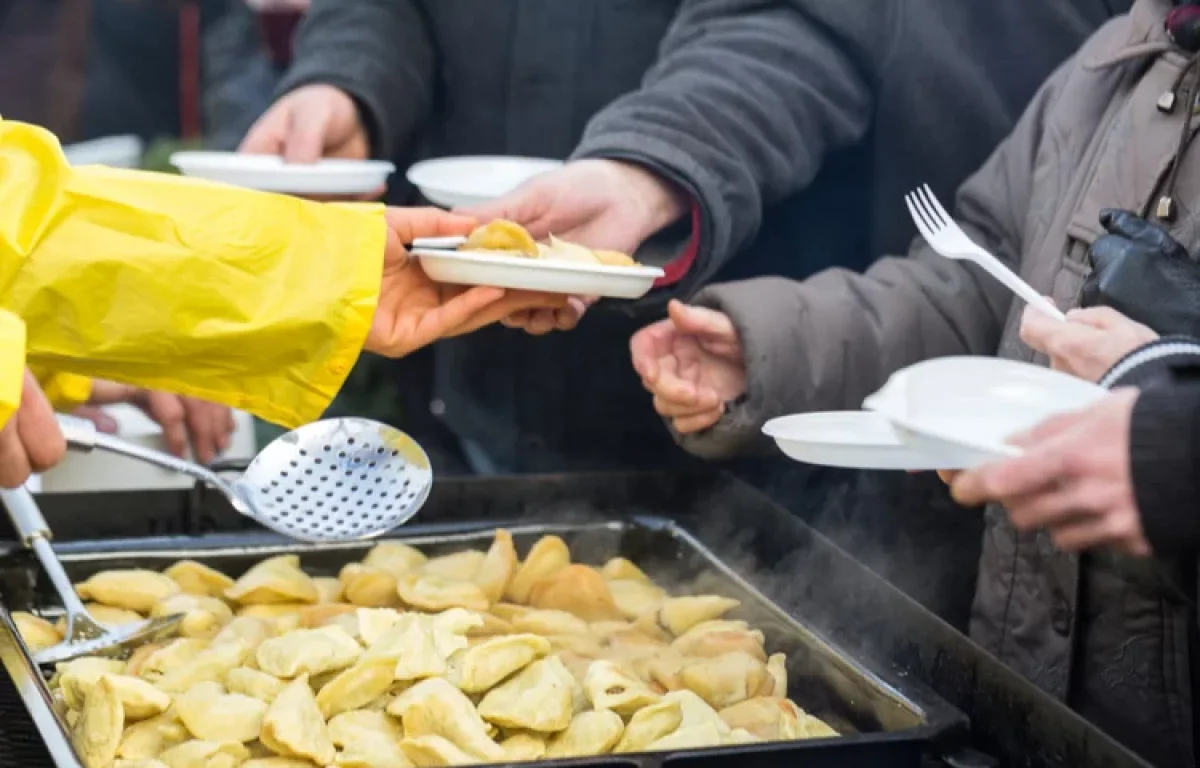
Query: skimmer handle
(82, 435)
(35, 534)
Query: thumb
(700, 321)
(304, 141)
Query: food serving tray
(885, 720)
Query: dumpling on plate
(434, 707)
(203, 616)
(458, 566)
(560, 250)
(522, 747)
(356, 687)
(609, 687)
(37, 633)
(679, 614)
(427, 592)
(431, 750)
(504, 236)
(538, 698)
(590, 733)
(578, 590)
(307, 652)
(133, 589)
(210, 714)
(275, 580)
(198, 579)
(394, 558)
(649, 724)
(368, 586)
(294, 727)
(97, 732)
(498, 566)
(206, 754)
(254, 683)
(615, 259)
(482, 667)
(725, 680)
(548, 556)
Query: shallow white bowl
(962, 411)
(471, 268)
(269, 173)
(850, 439)
(452, 182)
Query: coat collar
(1147, 35)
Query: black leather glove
(1142, 272)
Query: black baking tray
(801, 572)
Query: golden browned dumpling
(308, 652)
(210, 714)
(148, 763)
(77, 676)
(280, 617)
(690, 737)
(635, 598)
(431, 750)
(150, 738)
(502, 235)
(649, 724)
(139, 699)
(679, 614)
(294, 727)
(498, 567)
(615, 259)
(348, 727)
(560, 250)
(522, 747)
(132, 589)
(205, 754)
(482, 667)
(276, 762)
(724, 680)
(97, 732)
(623, 569)
(169, 657)
(254, 683)
(777, 669)
(368, 586)
(203, 616)
(459, 566)
(434, 707)
(410, 649)
(610, 687)
(209, 665)
(709, 639)
(490, 626)
(329, 589)
(768, 718)
(356, 687)
(578, 590)
(313, 616)
(37, 633)
(550, 623)
(198, 579)
(590, 733)
(394, 558)
(548, 556)
(435, 593)
(372, 623)
(509, 611)
(275, 580)
(538, 698)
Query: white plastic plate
(113, 151)
(452, 182)
(962, 411)
(269, 173)
(850, 439)
(547, 275)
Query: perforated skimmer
(333, 480)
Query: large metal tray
(885, 720)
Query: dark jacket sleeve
(1164, 440)
(378, 51)
(744, 102)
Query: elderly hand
(1074, 480)
(414, 311)
(1088, 344)
(692, 363)
(207, 428)
(601, 204)
(31, 440)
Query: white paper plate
(962, 411)
(452, 182)
(270, 173)
(850, 439)
(113, 151)
(475, 268)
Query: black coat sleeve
(744, 102)
(378, 51)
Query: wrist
(661, 201)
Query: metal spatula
(334, 480)
(84, 636)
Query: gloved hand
(1145, 274)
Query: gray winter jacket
(1114, 638)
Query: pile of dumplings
(404, 660)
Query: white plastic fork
(947, 238)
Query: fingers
(1120, 532)
(31, 440)
(209, 428)
(468, 311)
(411, 223)
(307, 130)
(948, 476)
(698, 423)
(102, 421)
(168, 412)
(109, 392)
(700, 321)
(516, 304)
(1029, 474)
(542, 321)
(1042, 333)
(266, 136)
(648, 345)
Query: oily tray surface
(398, 645)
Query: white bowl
(269, 173)
(113, 151)
(962, 411)
(453, 182)
(850, 439)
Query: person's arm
(831, 340)
(224, 294)
(739, 111)
(378, 51)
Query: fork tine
(922, 217)
(930, 208)
(918, 217)
(937, 204)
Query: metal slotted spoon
(335, 480)
(84, 636)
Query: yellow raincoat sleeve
(258, 301)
